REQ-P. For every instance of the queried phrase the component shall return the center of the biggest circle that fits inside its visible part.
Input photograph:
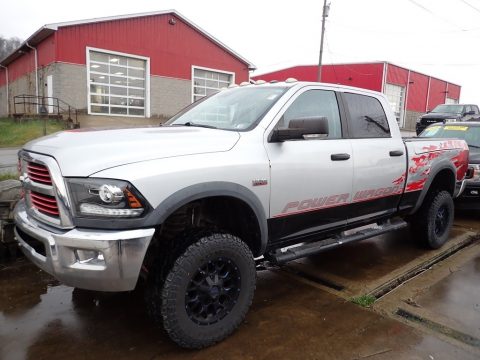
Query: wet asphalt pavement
(299, 312)
(8, 160)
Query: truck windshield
(471, 134)
(238, 109)
(448, 109)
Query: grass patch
(14, 134)
(8, 176)
(364, 300)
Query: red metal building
(410, 93)
(141, 65)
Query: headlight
(476, 172)
(450, 120)
(105, 198)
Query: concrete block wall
(24, 85)
(70, 84)
(3, 102)
(411, 119)
(167, 95)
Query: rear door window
(366, 118)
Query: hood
(84, 152)
(440, 116)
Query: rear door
(379, 159)
(311, 179)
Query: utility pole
(326, 9)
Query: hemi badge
(259, 182)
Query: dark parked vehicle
(470, 132)
(447, 113)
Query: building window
(117, 83)
(396, 97)
(451, 101)
(208, 81)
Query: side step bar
(280, 257)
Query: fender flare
(211, 189)
(444, 164)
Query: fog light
(90, 257)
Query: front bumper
(102, 260)
(419, 128)
(470, 198)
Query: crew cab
(447, 113)
(470, 132)
(242, 174)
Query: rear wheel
(208, 291)
(432, 223)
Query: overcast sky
(437, 37)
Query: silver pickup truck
(245, 173)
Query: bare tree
(8, 45)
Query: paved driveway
(8, 159)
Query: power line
(393, 32)
(330, 52)
(473, 7)
(414, 2)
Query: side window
(315, 103)
(467, 109)
(475, 108)
(367, 118)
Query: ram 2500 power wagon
(247, 172)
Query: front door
(311, 179)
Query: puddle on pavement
(456, 298)
(366, 260)
(36, 312)
(41, 319)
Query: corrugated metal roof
(49, 29)
(350, 63)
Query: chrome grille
(431, 121)
(44, 203)
(46, 194)
(38, 173)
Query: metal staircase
(28, 106)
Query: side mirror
(301, 128)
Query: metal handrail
(60, 106)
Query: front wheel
(208, 291)
(432, 224)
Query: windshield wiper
(373, 121)
(190, 123)
(474, 146)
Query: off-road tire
(426, 223)
(167, 290)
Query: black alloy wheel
(441, 220)
(213, 291)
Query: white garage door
(451, 101)
(396, 97)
